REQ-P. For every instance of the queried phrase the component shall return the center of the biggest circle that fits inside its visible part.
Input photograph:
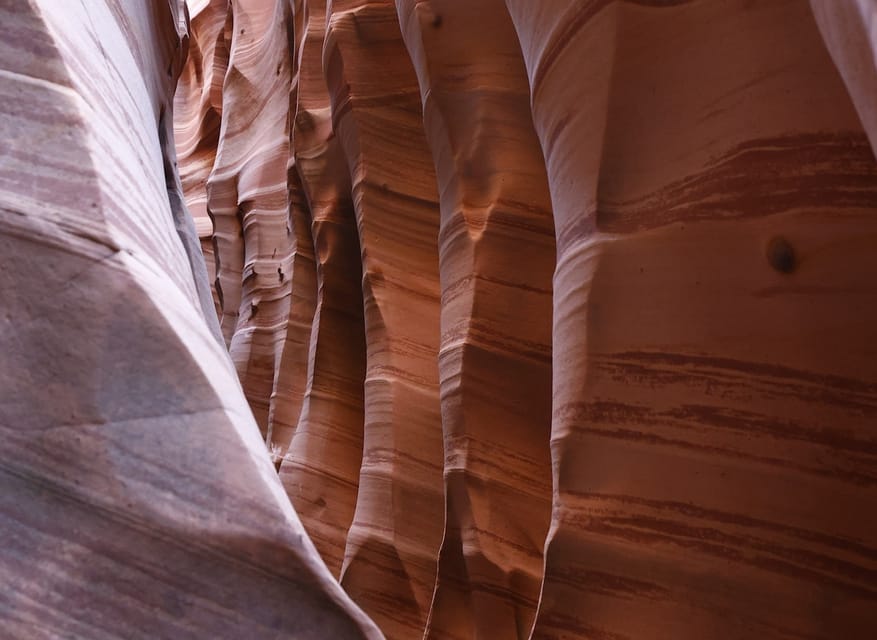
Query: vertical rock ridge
(495, 362)
(290, 380)
(321, 470)
(389, 565)
(197, 118)
(248, 194)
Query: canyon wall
(714, 375)
(137, 498)
(617, 269)
(556, 319)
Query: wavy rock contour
(556, 317)
(135, 492)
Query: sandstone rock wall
(558, 318)
(617, 267)
(713, 409)
(136, 496)
(321, 469)
(389, 564)
(495, 361)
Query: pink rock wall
(665, 203)
(713, 412)
(557, 319)
(137, 498)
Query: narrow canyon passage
(438, 319)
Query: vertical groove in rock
(221, 189)
(248, 194)
(390, 561)
(321, 470)
(713, 397)
(495, 362)
(290, 385)
(290, 381)
(197, 118)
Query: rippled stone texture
(390, 560)
(495, 362)
(558, 318)
(321, 470)
(136, 496)
(701, 439)
(197, 119)
(247, 195)
(714, 415)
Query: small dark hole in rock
(437, 21)
(781, 255)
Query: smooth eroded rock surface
(495, 361)
(556, 317)
(714, 390)
(136, 496)
(390, 560)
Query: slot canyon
(438, 319)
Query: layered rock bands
(557, 319)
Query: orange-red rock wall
(558, 316)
